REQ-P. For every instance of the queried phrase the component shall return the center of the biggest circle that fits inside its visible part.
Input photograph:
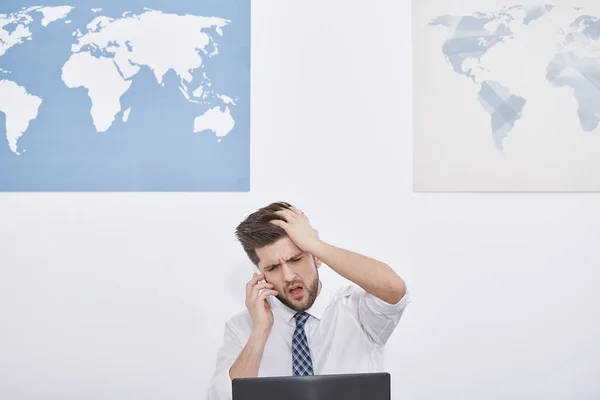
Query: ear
(317, 261)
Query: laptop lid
(360, 386)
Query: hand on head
(298, 228)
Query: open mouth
(296, 292)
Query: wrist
(316, 247)
(259, 335)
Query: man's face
(292, 272)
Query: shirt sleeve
(378, 318)
(220, 384)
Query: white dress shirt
(346, 331)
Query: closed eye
(294, 259)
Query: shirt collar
(316, 310)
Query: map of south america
(20, 108)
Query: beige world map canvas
(506, 96)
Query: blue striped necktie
(301, 360)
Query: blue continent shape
(470, 38)
(580, 72)
(533, 13)
(504, 107)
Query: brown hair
(256, 231)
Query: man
(293, 324)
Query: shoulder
(240, 323)
(241, 317)
(347, 292)
(354, 296)
(345, 296)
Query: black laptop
(361, 386)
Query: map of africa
(125, 98)
(529, 72)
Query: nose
(288, 273)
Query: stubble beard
(312, 291)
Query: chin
(301, 304)
(295, 304)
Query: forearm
(248, 362)
(375, 277)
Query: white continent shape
(20, 108)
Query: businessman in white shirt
(293, 323)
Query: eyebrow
(291, 258)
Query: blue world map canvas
(125, 95)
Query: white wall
(124, 296)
